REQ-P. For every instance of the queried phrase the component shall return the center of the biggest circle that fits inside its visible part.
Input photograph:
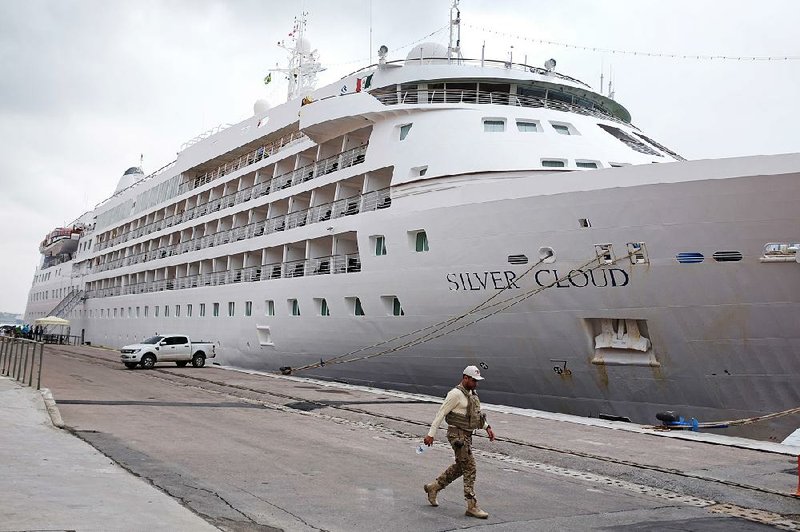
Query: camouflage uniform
(459, 434)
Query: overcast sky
(87, 86)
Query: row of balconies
(349, 263)
(370, 201)
(325, 166)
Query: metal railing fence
(18, 360)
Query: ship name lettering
(504, 280)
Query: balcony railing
(345, 159)
(378, 199)
(332, 264)
(393, 97)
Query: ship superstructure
(420, 215)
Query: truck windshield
(153, 340)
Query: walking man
(462, 411)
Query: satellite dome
(261, 106)
(426, 51)
(131, 176)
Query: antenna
(602, 71)
(455, 24)
(303, 62)
(611, 82)
(370, 31)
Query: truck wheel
(199, 359)
(182, 363)
(131, 365)
(148, 361)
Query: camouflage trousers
(461, 442)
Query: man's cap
(474, 372)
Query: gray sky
(86, 86)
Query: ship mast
(303, 62)
(454, 47)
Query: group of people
(22, 331)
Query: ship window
(322, 306)
(248, 308)
(553, 163)
(215, 310)
(189, 310)
(137, 312)
(586, 164)
(231, 308)
(404, 129)
(689, 257)
(659, 146)
(526, 126)
(494, 125)
(166, 311)
(202, 310)
(294, 307)
(518, 259)
(177, 311)
(564, 128)
(629, 141)
(637, 252)
(421, 242)
(584, 222)
(380, 245)
(155, 308)
(354, 304)
(146, 310)
(269, 307)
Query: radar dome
(426, 51)
(131, 176)
(260, 107)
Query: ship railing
(258, 154)
(331, 264)
(458, 96)
(325, 166)
(369, 201)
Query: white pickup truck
(167, 348)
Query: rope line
(639, 53)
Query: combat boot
(474, 511)
(432, 489)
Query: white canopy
(51, 320)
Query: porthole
(518, 259)
(689, 257)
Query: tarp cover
(51, 320)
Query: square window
(269, 307)
(494, 125)
(202, 309)
(562, 129)
(525, 126)
(354, 304)
(421, 242)
(586, 164)
(404, 129)
(553, 163)
(231, 308)
(322, 306)
(294, 307)
(215, 310)
(380, 245)
(248, 308)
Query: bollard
(16, 359)
(797, 494)
(3, 348)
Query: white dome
(261, 106)
(131, 176)
(427, 50)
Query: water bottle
(420, 448)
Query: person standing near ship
(462, 411)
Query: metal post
(16, 357)
(33, 362)
(41, 363)
(3, 345)
(24, 368)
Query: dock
(220, 448)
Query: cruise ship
(424, 214)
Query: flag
(363, 83)
(268, 78)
